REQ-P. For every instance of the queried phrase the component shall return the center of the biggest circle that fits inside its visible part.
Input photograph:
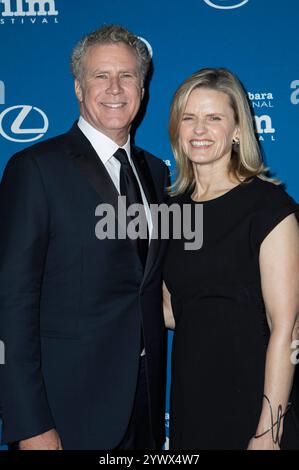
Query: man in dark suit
(81, 318)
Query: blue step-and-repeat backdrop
(256, 39)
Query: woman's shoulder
(271, 204)
(265, 185)
(269, 192)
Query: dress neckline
(231, 192)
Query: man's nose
(114, 85)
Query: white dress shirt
(105, 148)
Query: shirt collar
(103, 145)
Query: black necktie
(129, 187)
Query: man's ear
(78, 90)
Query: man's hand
(49, 440)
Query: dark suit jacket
(72, 306)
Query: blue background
(258, 41)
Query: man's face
(110, 90)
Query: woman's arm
(167, 309)
(279, 268)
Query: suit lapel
(91, 167)
(149, 189)
(145, 175)
(89, 164)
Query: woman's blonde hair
(246, 160)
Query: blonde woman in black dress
(234, 303)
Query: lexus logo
(225, 4)
(12, 129)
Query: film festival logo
(28, 11)
(226, 4)
(14, 120)
(295, 93)
(262, 103)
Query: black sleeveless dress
(221, 335)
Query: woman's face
(208, 127)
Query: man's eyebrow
(125, 70)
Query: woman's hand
(263, 443)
